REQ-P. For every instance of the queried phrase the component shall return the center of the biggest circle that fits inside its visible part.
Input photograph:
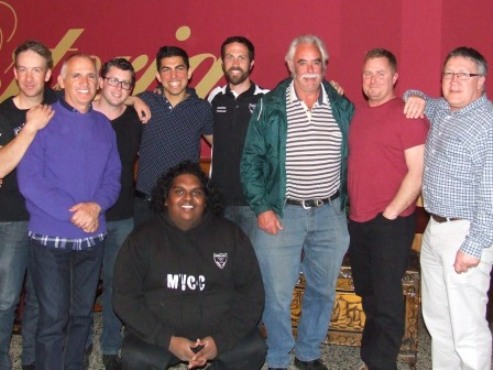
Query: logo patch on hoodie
(185, 282)
(220, 259)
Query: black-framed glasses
(464, 76)
(115, 82)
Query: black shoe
(112, 362)
(309, 365)
(28, 367)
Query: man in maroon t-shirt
(385, 172)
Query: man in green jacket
(293, 174)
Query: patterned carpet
(335, 357)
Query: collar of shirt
(67, 106)
(190, 94)
(443, 104)
(323, 98)
(249, 91)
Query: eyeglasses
(464, 76)
(115, 82)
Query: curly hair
(163, 186)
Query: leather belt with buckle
(312, 203)
(441, 219)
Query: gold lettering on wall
(145, 67)
(183, 33)
(5, 32)
(211, 77)
(149, 75)
(66, 44)
(202, 87)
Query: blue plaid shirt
(458, 174)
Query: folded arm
(11, 154)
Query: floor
(335, 357)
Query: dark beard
(238, 79)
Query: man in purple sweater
(69, 176)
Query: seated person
(187, 283)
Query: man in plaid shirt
(456, 255)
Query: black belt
(312, 203)
(141, 195)
(441, 219)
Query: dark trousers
(65, 283)
(248, 354)
(379, 252)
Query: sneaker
(112, 362)
(309, 365)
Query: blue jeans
(322, 235)
(13, 263)
(65, 283)
(29, 323)
(244, 217)
(111, 338)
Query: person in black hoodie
(187, 284)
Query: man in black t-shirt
(117, 78)
(21, 116)
(232, 107)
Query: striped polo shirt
(313, 148)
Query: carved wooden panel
(348, 318)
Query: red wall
(419, 32)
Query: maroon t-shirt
(378, 137)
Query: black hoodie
(196, 283)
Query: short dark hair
(382, 53)
(38, 48)
(470, 53)
(171, 51)
(120, 63)
(241, 40)
(163, 186)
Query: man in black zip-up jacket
(187, 283)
